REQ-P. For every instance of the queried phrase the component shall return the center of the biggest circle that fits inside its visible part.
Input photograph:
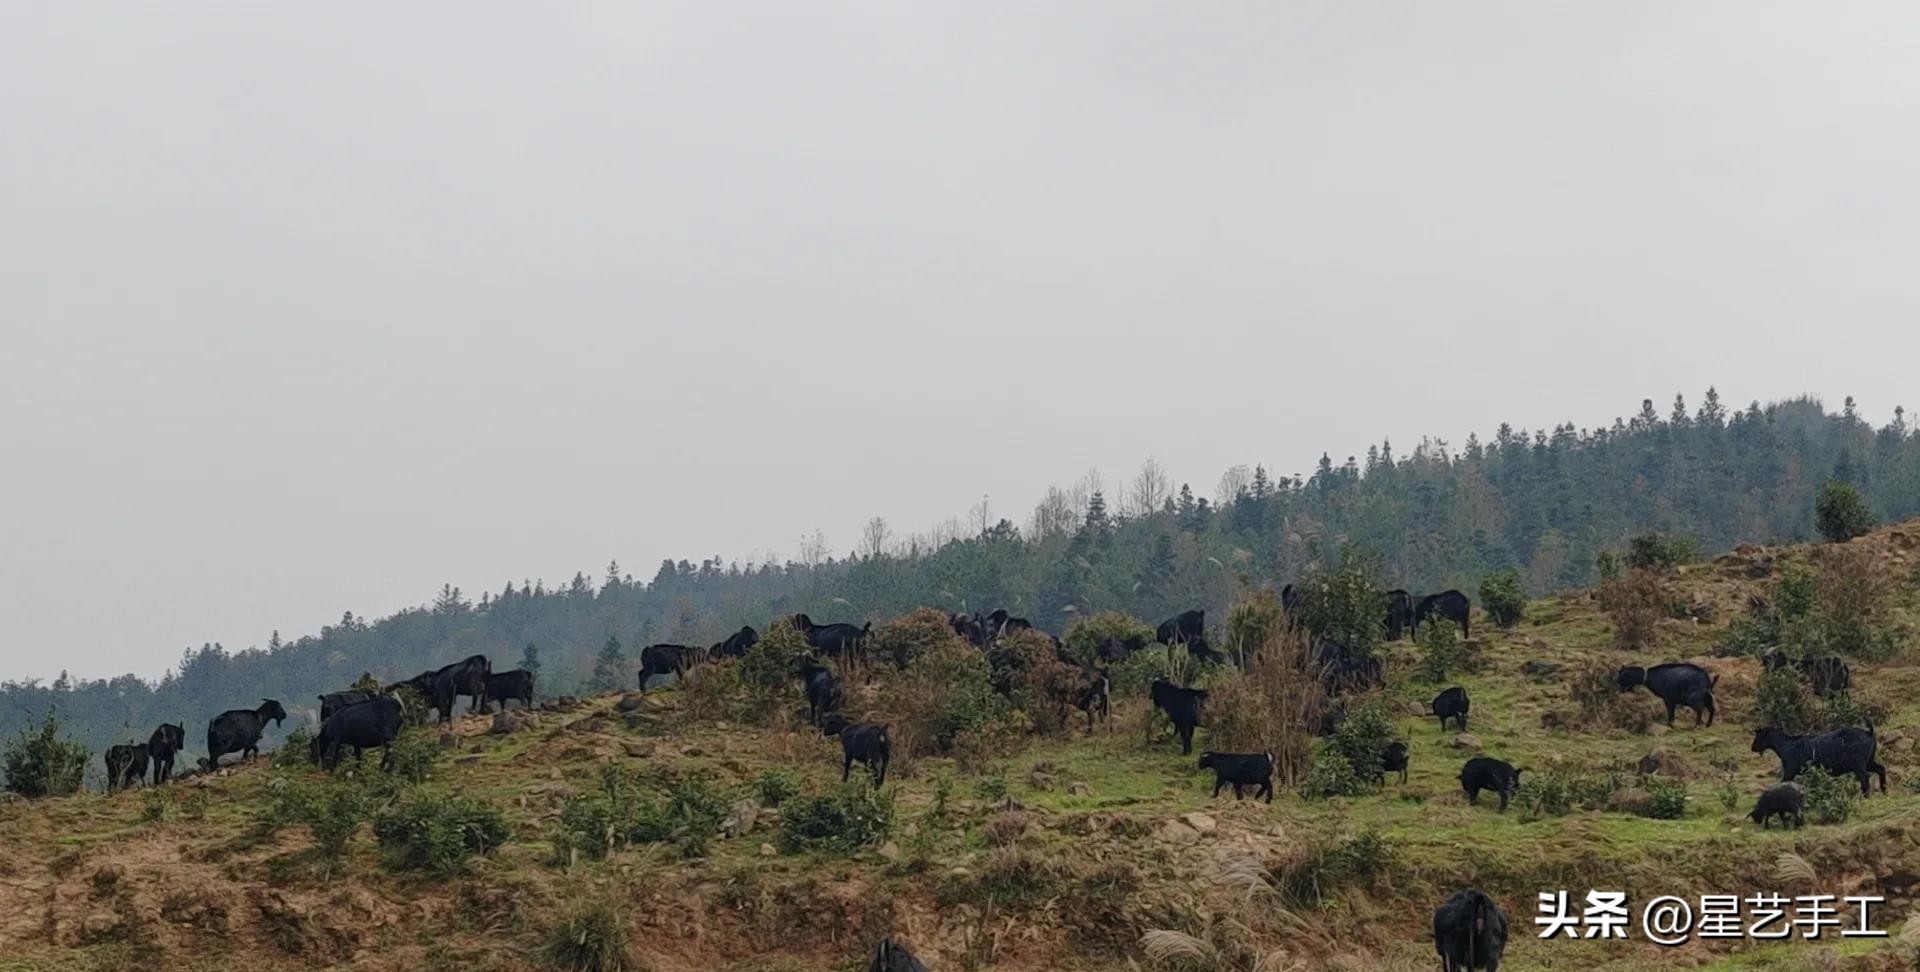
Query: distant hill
(1544, 501)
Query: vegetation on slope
(706, 826)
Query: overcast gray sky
(313, 308)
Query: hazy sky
(307, 309)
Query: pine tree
(1712, 413)
(609, 667)
(1160, 566)
(613, 581)
(1096, 523)
(530, 658)
(1679, 419)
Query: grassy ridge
(1060, 855)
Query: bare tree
(1232, 482)
(873, 540)
(1148, 491)
(1056, 515)
(813, 548)
(980, 515)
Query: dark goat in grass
(1241, 770)
(1452, 704)
(1784, 800)
(1487, 773)
(1393, 759)
(1183, 708)
(865, 743)
(1677, 685)
(1848, 752)
(821, 687)
(1469, 932)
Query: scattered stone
(767, 850)
(740, 821)
(1077, 788)
(1176, 832)
(1465, 740)
(638, 749)
(449, 740)
(470, 758)
(1633, 801)
(889, 851)
(1200, 822)
(493, 708)
(636, 720)
(631, 702)
(1541, 671)
(505, 724)
(1040, 780)
(693, 751)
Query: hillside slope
(1060, 855)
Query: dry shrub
(1085, 636)
(1007, 827)
(1595, 686)
(945, 703)
(1635, 602)
(1252, 623)
(1851, 594)
(713, 691)
(909, 636)
(1274, 705)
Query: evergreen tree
(530, 658)
(609, 667)
(1712, 413)
(1096, 522)
(1159, 569)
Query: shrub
(1348, 763)
(195, 804)
(41, 764)
(1556, 792)
(909, 636)
(1442, 653)
(1666, 799)
(1796, 592)
(413, 705)
(592, 938)
(1781, 701)
(1313, 875)
(1660, 552)
(694, 810)
(1595, 686)
(711, 690)
(775, 787)
(767, 669)
(1342, 604)
(1606, 566)
(1252, 625)
(334, 815)
(1849, 614)
(1635, 602)
(1131, 677)
(1843, 710)
(414, 755)
(846, 818)
(1749, 637)
(294, 751)
(1830, 796)
(438, 834)
(1273, 706)
(156, 806)
(1503, 597)
(1840, 512)
(1085, 636)
(991, 788)
(945, 696)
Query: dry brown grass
(1274, 706)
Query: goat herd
(1469, 929)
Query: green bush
(1311, 879)
(1830, 796)
(195, 804)
(1796, 592)
(1348, 763)
(1749, 637)
(438, 834)
(1843, 710)
(1557, 792)
(1442, 653)
(775, 787)
(413, 705)
(592, 938)
(335, 816)
(1840, 512)
(1253, 623)
(1606, 566)
(41, 764)
(1660, 552)
(1781, 701)
(945, 695)
(846, 818)
(1667, 800)
(295, 751)
(414, 755)
(1085, 636)
(1342, 603)
(1132, 676)
(992, 788)
(905, 638)
(767, 669)
(1503, 597)
(625, 811)
(157, 806)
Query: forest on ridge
(1544, 501)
